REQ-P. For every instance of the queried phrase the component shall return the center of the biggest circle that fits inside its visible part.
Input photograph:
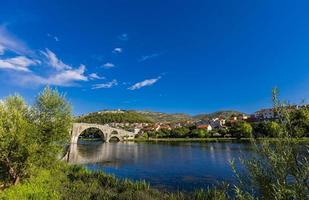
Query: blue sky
(193, 56)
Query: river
(168, 166)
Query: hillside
(224, 114)
(131, 116)
(134, 116)
(165, 117)
(104, 117)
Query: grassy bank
(76, 183)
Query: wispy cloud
(53, 60)
(108, 65)
(117, 50)
(8, 42)
(65, 78)
(18, 63)
(93, 76)
(144, 58)
(53, 37)
(105, 85)
(147, 82)
(19, 59)
(123, 37)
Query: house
(204, 126)
(217, 123)
(159, 126)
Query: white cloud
(64, 78)
(11, 43)
(108, 65)
(53, 60)
(144, 58)
(93, 76)
(147, 82)
(123, 37)
(105, 85)
(117, 50)
(19, 63)
(59, 74)
(68, 77)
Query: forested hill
(105, 117)
(165, 117)
(224, 114)
(131, 116)
(134, 116)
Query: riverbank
(76, 183)
(297, 140)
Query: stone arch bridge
(108, 132)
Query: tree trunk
(16, 180)
(12, 172)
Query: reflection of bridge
(109, 154)
(107, 132)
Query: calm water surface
(169, 166)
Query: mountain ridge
(130, 116)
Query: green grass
(77, 183)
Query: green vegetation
(279, 170)
(164, 117)
(121, 117)
(31, 132)
(225, 114)
(76, 183)
(241, 129)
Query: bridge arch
(93, 132)
(107, 131)
(114, 138)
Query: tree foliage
(278, 170)
(52, 117)
(32, 137)
(18, 141)
(241, 129)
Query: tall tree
(53, 118)
(18, 141)
(277, 170)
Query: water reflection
(171, 166)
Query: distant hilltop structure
(111, 111)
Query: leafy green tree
(273, 129)
(52, 116)
(300, 122)
(18, 143)
(241, 129)
(180, 132)
(199, 133)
